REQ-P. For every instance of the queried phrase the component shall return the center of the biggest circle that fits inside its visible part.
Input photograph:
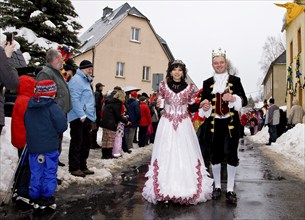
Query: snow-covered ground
(287, 153)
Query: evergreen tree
(39, 25)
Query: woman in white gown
(177, 172)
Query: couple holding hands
(177, 172)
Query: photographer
(8, 75)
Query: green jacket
(63, 98)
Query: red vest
(221, 107)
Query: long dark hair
(172, 65)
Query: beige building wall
(292, 36)
(118, 47)
(279, 82)
(85, 56)
(268, 85)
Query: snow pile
(290, 145)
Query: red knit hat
(45, 88)
(134, 94)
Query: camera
(9, 38)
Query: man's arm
(8, 73)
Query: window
(119, 69)
(135, 32)
(299, 41)
(146, 71)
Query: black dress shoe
(61, 164)
(231, 197)
(216, 193)
(269, 143)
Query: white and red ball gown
(177, 172)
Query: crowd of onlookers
(272, 116)
(47, 103)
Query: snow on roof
(105, 25)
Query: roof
(102, 27)
(281, 59)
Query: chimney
(106, 11)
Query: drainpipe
(272, 82)
(93, 55)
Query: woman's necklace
(176, 86)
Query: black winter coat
(112, 114)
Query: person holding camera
(8, 75)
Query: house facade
(125, 50)
(275, 80)
(295, 56)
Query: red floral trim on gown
(187, 201)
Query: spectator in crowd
(52, 71)
(118, 142)
(253, 122)
(264, 109)
(144, 122)
(282, 126)
(99, 100)
(155, 116)
(296, 114)
(272, 120)
(82, 119)
(70, 72)
(44, 121)
(110, 121)
(25, 91)
(134, 113)
(8, 75)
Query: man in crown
(222, 98)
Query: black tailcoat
(222, 131)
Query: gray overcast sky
(192, 29)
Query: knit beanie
(45, 88)
(85, 64)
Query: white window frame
(135, 34)
(119, 69)
(145, 73)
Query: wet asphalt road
(263, 193)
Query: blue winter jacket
(44, 121)
(134, 112)
(83, 100)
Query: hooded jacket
(44, 122)
(25, 91)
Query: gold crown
(219, 52)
